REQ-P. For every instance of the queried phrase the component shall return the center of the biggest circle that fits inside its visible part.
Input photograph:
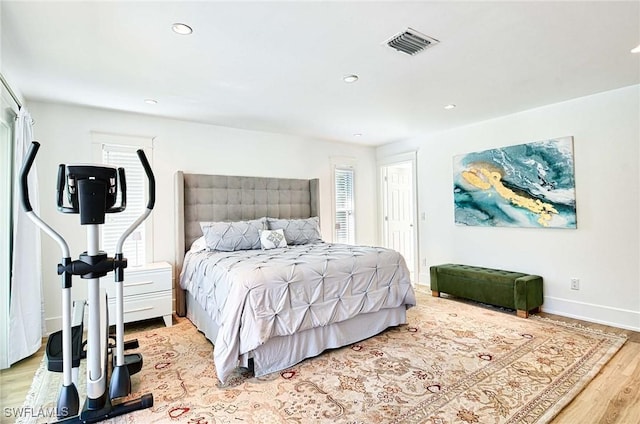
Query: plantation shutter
(344, 205)
(134, 247)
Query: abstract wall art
(527, 185)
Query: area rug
(453, 362)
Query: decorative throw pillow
(272, 239)
(230, 236)
(298, 231)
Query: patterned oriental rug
(453, 363)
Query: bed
(269, 307)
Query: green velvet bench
(508, 289)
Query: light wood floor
(15, 383)
(613, 397)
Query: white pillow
(272, 239)
(230, 236)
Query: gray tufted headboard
(202, 197)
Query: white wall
(64, 132)
(603, 252)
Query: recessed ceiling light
(350, 78)
(357, 135)
(450, 106)
(636, 50)
(181, 29)
(151, 101)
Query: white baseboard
(614, 317)
(599, 314)
(53, 324)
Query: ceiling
(278, 66)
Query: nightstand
(147, 293)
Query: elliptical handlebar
(123, 193)
(60, 187)
(26, 203)
(24, 175)
(152, 200)
(150, 178)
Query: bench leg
(435, 293)
(522, 314)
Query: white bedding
(255, 295)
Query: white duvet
(253, 295)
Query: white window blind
(134, 247)
(344, 206)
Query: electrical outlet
(575, 284)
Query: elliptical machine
(92, 192)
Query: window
(121, 152)
(344, 206)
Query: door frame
(408, 157)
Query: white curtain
(26, 310)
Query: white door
(399, 230)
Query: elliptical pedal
(133, 361)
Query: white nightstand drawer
(146, 279)
(147, 293)
(143, 306)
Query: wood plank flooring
(15, 383)
(613, 397)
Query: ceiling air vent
(411, 42)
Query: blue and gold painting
(527, 185)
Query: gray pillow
(230, 236)
(297, 231)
